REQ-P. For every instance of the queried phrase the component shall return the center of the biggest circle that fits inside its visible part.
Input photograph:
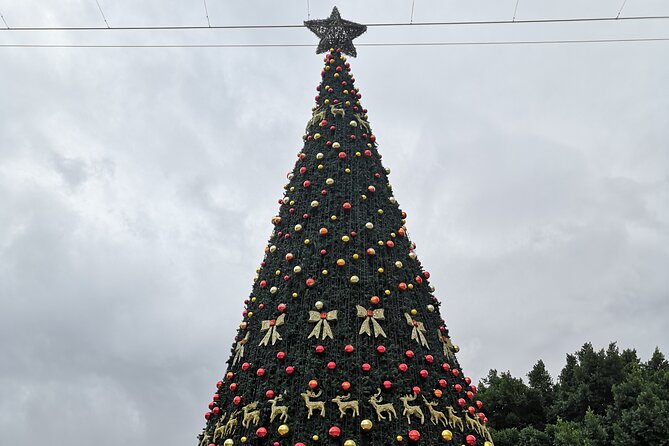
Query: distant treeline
(601, 398)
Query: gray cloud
(137, 187)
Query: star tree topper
(336, 32)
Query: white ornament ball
(369, 225)
(314, 204)
(319, 305)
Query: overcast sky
(137, 188)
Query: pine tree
(341, 340)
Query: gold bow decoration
(322, 321)
(418, 332)
(449, 348)
(370, 323)
(270, 327)
(239, 348)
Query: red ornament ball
(471, 440)
(346, 205)
(319, 349)
(313, 384)
(260, 372)
(216, 410)
(345, 385)
(219, 384)
(446, 367)
(442, 383)
(342, 155)
(237, 400)
(461, 402)
(246, 366)
(332, 365)
(458, 388)
(261, 432)
(387, 385)
(409, 354)
(416, 389)
(403, 367)
(381, 349)
(429, 359)
(233, 386)
(269, 394)
(366, 367)
(334, 432)
(349, 348)
(414, 435)
(281, 355)
(290, 370)
(207, 415)
(281, 308)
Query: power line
(515, 10)
(103, 14)
(621, 8)
(413, 3)
(206, 13)
(390, 24)
(310, 45)
(3, 20)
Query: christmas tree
(341, 340)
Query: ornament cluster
(341, 340)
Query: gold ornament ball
(243, 439)
(446, 435)
(366, 425)
(228, 442)
(283, 430)
(347, 170)
(315, 437)
(399, 438)
(349, 443)
(456, 348)
(487, 443)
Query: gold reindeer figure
(344, 404)
(436, 416)
(380, 408)
(219, 430)
(412, 410)
(337, 111)
(278, 411)
(453, 419)
(251, 415)
(204, 440)
(317, 116)
(230, 426)
(313, 405)
(473, 423)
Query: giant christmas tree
(341, 340)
